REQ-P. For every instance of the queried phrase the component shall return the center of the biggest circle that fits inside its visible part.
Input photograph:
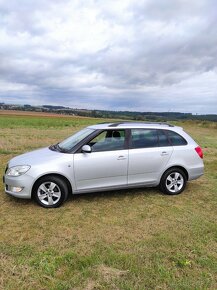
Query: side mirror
(86, 149)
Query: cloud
(124, 55)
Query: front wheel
(50, 191)
(173, 181)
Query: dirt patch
(90, 285)
(109, 273)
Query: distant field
(129, 239)
(34, 114)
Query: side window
(144, 138)
(108, 140)
(175, 138)
(163, 139)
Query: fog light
(15, 188)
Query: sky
(110, 54)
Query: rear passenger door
(149, 153)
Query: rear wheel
(50, 191)
(173, 181)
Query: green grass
(41, 122)
(129, 239)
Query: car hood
(35, 157)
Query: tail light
(199, 151)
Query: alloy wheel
(174, 182)
(49, 193)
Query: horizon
(75, 108)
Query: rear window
(175, 138)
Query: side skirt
(111, 188)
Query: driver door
(106, 165)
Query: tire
(173, 181)
(50, 191)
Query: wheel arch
(177, 166)
(69, 186)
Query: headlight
(17, 170)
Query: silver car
(104, 157)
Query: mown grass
(131, 239)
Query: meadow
(129, 239)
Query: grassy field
(130, 239)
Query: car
(104, 157)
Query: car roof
(130, 125)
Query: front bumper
(25, 182)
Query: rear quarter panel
(186, 157)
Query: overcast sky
(109, 54)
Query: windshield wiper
(56, 147)
(53, 147)
(60, 149)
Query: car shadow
(122, 193)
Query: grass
(129, 239)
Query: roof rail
(116, 124)
(143, 123)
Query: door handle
(121, 157)
(164, 153)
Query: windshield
(70, 142)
